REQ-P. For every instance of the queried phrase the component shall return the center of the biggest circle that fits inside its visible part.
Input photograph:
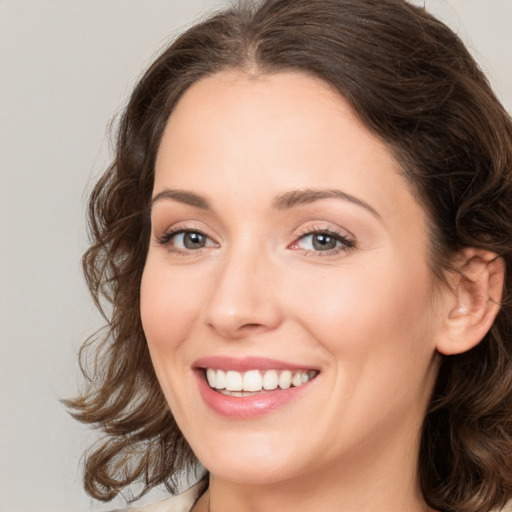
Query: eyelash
(346, 244)
(168, 236)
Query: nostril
(234, 313)
(252, 328)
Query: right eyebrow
(181, 196)
(297, 197)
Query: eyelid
(343, 233)
(171, 232)
(346, 240)
(161, 229)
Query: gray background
(66, 68)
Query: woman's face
(287, 250)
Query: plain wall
(66, 67)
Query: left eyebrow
(182, 196)
(297, 197)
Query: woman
(304, 239)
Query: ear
(473, 301)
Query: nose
(242, 301)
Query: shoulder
(181, 503)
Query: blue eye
(324, 241)
(190, 240)
(186, 240)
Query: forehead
(230, 132)
(292, 103)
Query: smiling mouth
(253, 382)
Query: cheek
(168, 306)
(382, 310)
(376, 327)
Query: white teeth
(210, 377)
(285, 379)
(233, 381)
(254, 381)
(297, 379)
(220, 379)
(270, 380)
(216, 378)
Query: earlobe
(473, 302)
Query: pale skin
(363, 309)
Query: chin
(251, 472)
(251, 462)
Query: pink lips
(245, 363)
(252, 406)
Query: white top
(181, 503)
(184, 502)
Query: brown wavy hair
(413, 83)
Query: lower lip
(247, 407)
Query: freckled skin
(363, 315)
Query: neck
(352, 487)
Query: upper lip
(242, 364)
